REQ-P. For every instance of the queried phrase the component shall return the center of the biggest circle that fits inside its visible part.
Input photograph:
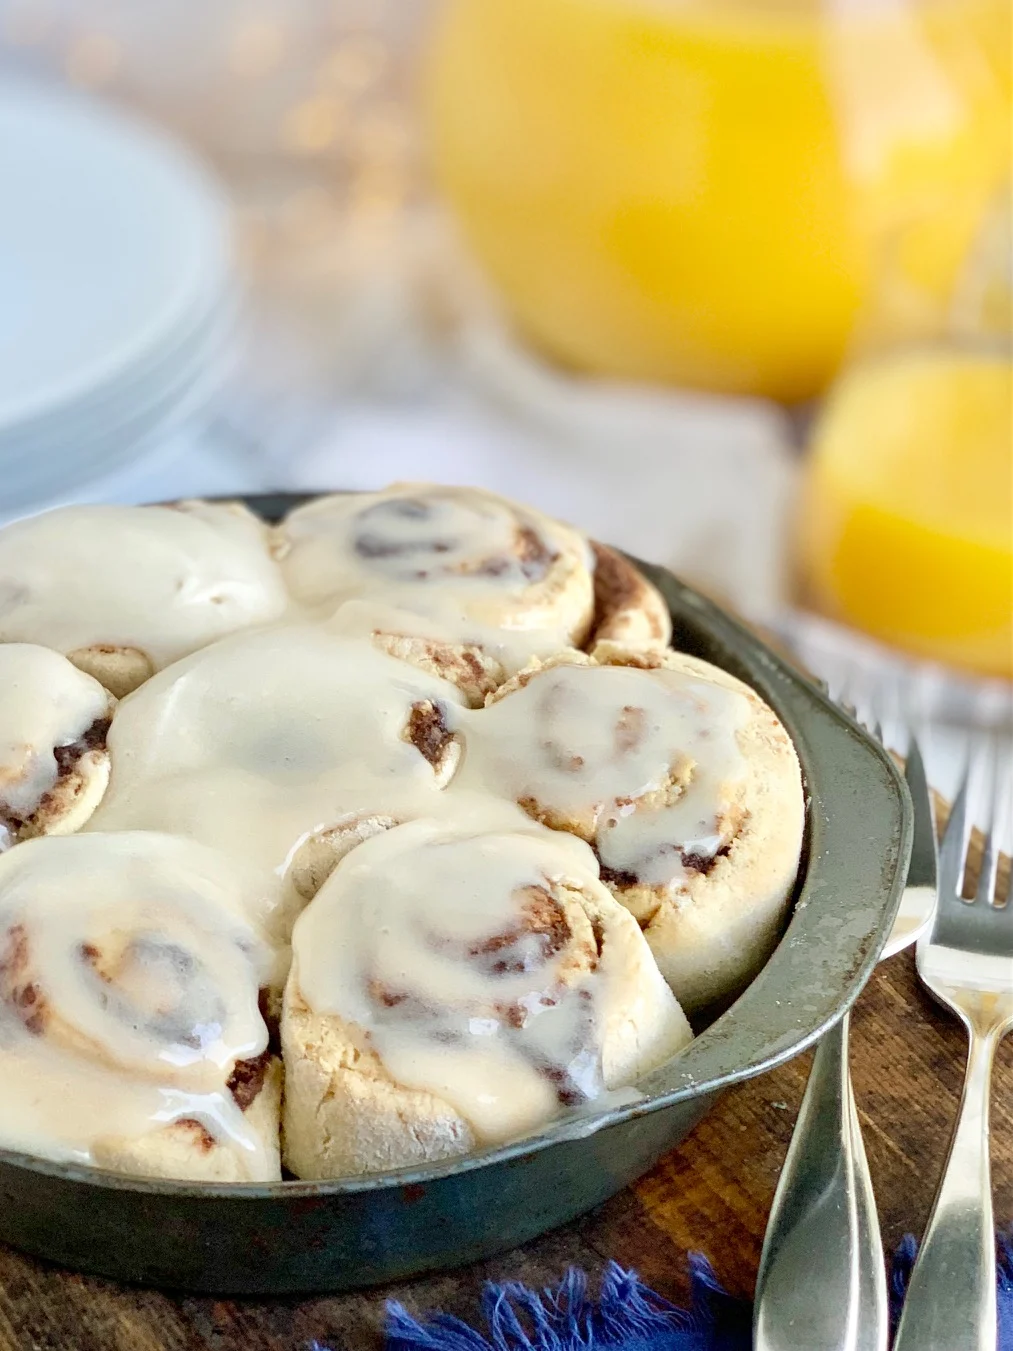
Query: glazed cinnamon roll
(131, 976)
(499, 581)
(683, 782)
(123, 591)
(53, 760)
(456, 987)
(263, 743)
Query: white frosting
(45, 702)
(436, 940)
(130, 968)
(266, 737)
(453, 564)
(609, 747)
(485, 966)
(410, 538)
(163, 580)
(256, 742)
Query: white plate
(48, 473)
(112, 243)
(64, 435)
(124, 388)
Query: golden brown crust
(475, 673)
(319, 854)
(120, 669)
(344, 1114)
(568, 657)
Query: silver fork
(966, 962)
(823, 1231)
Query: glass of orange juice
(905, 521)
(906, 518)
(706, 191)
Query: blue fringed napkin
(626, 1316)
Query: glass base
(949, 710)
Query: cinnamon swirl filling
(54, 722)
(416, 534)
(627, 608)
(413, 539)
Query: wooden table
(712, 1193)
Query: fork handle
(951, 1299)
(822, 1282)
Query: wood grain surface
(711, 1194)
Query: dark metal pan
(289, 1237)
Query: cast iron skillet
(281, 1238)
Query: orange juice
(906, 522)
(708, 191)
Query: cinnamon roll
(485, 577)
(683, 782)
(627, 608)
(132, 969)
(123, 591)
(456, 987)
(267, 741)
(53, 760)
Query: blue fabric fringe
(627, 1316)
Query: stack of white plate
(117, 305)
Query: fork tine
(1004, 810)
(901, 724)
(994, 805)
(842, 691)
(861, 694)
(874, 708)
(953, 849)
(923, 869)
(914, 768)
